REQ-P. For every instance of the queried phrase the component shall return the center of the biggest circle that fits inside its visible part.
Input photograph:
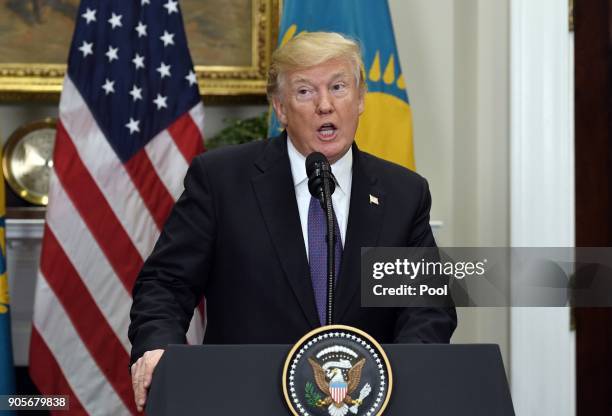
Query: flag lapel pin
(373, 199)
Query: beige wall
(454, 56)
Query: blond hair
(309, 49)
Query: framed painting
(230, 42)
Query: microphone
(319, 171)
(321, 184)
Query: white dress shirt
(341, 198)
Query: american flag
(130, 121)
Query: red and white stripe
(338, 393)
(103, 219)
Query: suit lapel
(363, 229)
(275, 195)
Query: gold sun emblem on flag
(4, 294)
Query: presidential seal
(337, 370)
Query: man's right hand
(142, 373)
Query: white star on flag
(191, 77)
(160, 101)
(133, 125)
(115, 21)
(136, 93)
(89, 15)
(164, 70)
(138, 61)
(109, 86)
(86, 48)
(111, 53)
(167, 38)
(143, 2)
(172, 6)
(141, 29)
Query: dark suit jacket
(234, 236)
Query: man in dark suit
(243, 234)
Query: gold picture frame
(26, 81)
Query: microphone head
(318, 168)
(314, 161)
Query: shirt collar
(342, 169)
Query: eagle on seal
(337, 391)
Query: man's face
(320, 107)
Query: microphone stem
(331, 244)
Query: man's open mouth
(327, 131)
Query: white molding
(21, 331)
(542, 364)
(436, 224)
(23, 238)
(18, 229)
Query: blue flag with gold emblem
(7, 371)
(385, 127)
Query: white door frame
(542, 358)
